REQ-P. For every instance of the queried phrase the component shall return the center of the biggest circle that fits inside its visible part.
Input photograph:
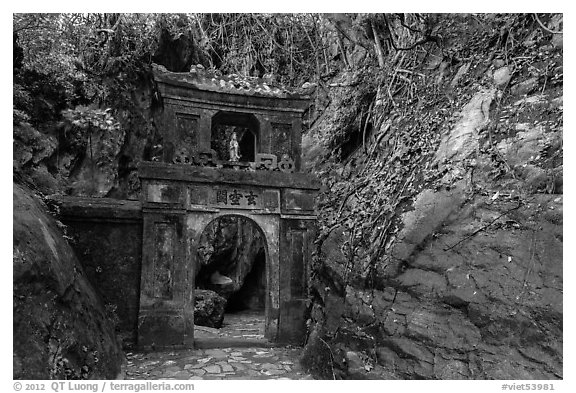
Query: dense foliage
(86, 58)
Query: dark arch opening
(252, 294)
(247, 129)
(231, 283)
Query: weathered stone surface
(61, 330)
(213, 369)
(208, 308)
(98, 174)
(502, 76)
(227, 176)
(470, 286)
(524, 87)
(463, 138)
(108, 241)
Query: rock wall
(110, 254)
(440, 253)
(106, 235)
(61, 328)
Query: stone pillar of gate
(166, 316)
(297, 233)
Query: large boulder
(61, 329)
(208, 308)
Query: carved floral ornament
(208, 158)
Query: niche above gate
(201, 109)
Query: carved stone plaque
(187, 128)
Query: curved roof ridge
(214, 80)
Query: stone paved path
(246, 324)
(257, 362)
(222, 363)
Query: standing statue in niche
(233, 148)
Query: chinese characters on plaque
(235, 197)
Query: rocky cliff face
(440, 252)
(61, 329)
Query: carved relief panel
(281, 139)
(187, 128)
(163, 259)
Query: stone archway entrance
(231, 284)
(179, 203)
(269, 226)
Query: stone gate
(190, 181)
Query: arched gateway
(140, 255)
(196, 183)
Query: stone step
(224, 342)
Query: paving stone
(192, 359)
(227, 368)
(216, 353)
(199, 372)
(270, 366)
(172, 369)
(252, 373)
(238, 366)
(273, 372)
(212, 369)
(181, 375)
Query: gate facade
(193, 181)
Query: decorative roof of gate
(209, 80)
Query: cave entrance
(231, 280)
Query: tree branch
(544, 27)
(484, 226)
(378, 46)
(427, 38)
